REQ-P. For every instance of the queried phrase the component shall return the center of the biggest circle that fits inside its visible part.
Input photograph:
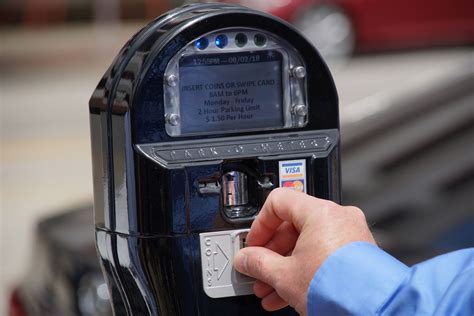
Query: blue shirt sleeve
(362, 279)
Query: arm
(320, 258)
(361, 279)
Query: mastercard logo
(295, 185)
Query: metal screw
(172, 119)
(299, 72)
(172, 80)
(300, 110)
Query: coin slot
(243, 240)
(239, 243)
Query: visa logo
(292, 170)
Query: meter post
(203, 112)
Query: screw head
(172, 119)
(300, 110)
(299, 72)
(172, 80)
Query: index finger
(281, 205)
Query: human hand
(290, 239)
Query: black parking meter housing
(188, 139)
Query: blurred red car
(339, 27)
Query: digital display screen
(231, 91)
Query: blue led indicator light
(221, 41)
(240, 39)
(202, 43)
(260, 39)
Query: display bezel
(293, 90)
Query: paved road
(47, 78)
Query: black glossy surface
(185, 210)
(149, 216)
(148, 106)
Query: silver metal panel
(219, 277)
(303, 143)
(100, 169)
(124, 177)
(293, 97)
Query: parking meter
(203, 112)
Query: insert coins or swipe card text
(293, 174)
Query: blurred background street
(50, 67)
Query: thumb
(261, 264)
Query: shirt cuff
(357, 279)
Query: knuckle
(272, 196)
(256, 266)
(279, 278)
(328, 208)
(279, 284)
(261, 270)
(331, 206)
(357, 213)
(275, 193)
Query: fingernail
(240, 262)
